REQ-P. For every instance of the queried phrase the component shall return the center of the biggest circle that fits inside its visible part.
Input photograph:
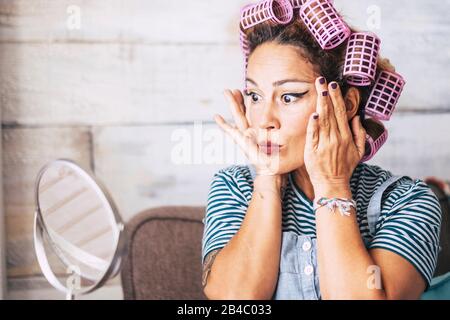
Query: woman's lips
(269, 147)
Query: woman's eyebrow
(251, 81)
(279, 82)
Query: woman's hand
(246, 137)
(332, 149)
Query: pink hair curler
(361, 58)
(297, 4)
(275, 11)
(372, 146)
(243, 41)
(244, 44)
(323, 21)
(385, 95)
(245, 47)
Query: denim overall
(298, 277)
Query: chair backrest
(164, 254)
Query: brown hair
(328, 63)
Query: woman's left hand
(332, 148)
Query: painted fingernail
(334, 85)
(315, 116)
(324, 93)
(322, 80)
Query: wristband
(343, 204)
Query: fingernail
(334, 85)
(315, 116)
(324, 93)
(322, 80)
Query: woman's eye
(287, 98)
(292, 97)
(253, 96)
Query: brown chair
(164, 254)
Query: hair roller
(245, 50)
(384, 95)
(297, 4)
(274, 11)
(373, 145)
(244, 44)
(323, 21)
(361, 58)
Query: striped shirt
(408, 225)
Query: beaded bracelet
(343, 204)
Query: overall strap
(374, 208)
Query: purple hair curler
(385, 95)
(372, 146)
(297, 4)
(323, 21)
(245, 46)
(361, 58)
(245, 51)
(275, 11)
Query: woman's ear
(352, 99)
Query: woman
(299, 124)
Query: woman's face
(279, 100)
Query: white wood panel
(168, 21)
(418, 145)
(115, 84)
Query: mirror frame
(40, 230)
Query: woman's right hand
(245, 136)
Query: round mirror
(78, 233)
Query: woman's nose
(269, 118)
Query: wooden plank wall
(122, 91)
